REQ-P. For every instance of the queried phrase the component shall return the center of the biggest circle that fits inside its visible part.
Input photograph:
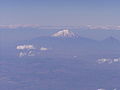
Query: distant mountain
(111, 40)
(61, 43)
(64, 33)
(65, 43)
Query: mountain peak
(111, 39)
(64, 33)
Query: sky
(60, 12)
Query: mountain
(64, 33)
(63, 43)
(111, 40)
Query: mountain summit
(111, 40)
(64, 33)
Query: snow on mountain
(64, 33)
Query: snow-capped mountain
(64, 33)
(63, 43)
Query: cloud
(19, 26)
(43, 49)
(22, 54)
(108, 60)
(22, 47)
(102, 27)
(101, 89)
(91, 27)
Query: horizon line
(38, 26)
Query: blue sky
(60, 12)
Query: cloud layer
(91, 27)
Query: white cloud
(102, 27)
(43, 49)
(101, 89)
(22, 54)
(31, 53)
(19, 26)
(22, 47)
(108, 60)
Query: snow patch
(64, 33)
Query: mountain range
(65, 43)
